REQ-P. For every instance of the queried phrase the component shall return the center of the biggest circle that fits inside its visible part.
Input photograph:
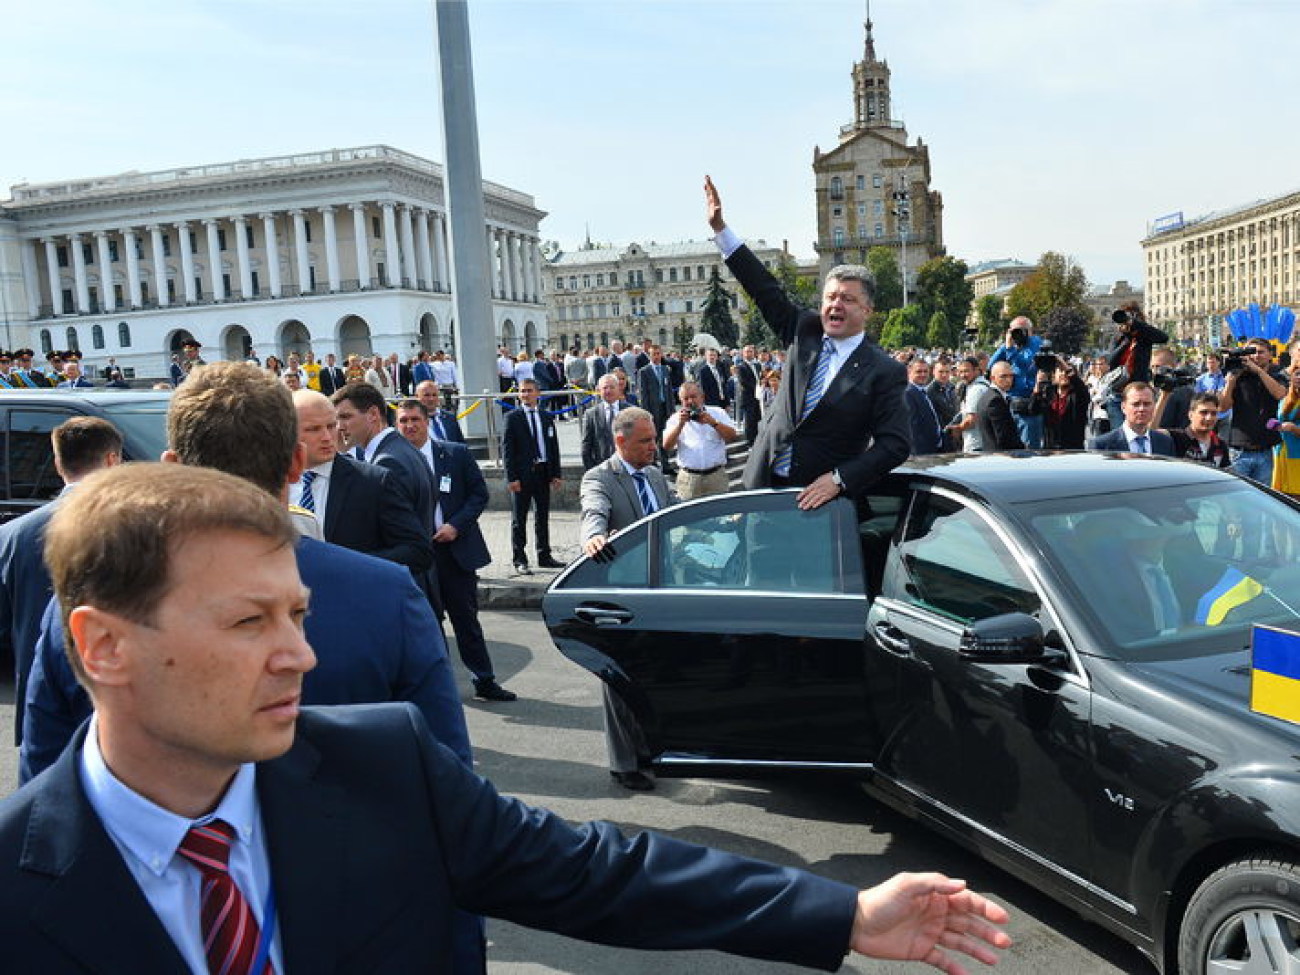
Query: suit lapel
(307, 844)
(340, 483)
(849, 375)
(93, 909)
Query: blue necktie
(441, 434)
(811, 397)
(1141, 445)
(643, 492)
(360, 454)
(307, 500)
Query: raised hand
(713, 205)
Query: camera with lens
(695, 413)
(1234, 359)
(1167, 378)
(1020, 337)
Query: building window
(67, 298)
(88, 253)
(862, 209)
(686, 273)
(47, 344)
(837, 188)
(615, 309)
(837, 212)
(74, 344)
(573, 282)
(880, 230)
(167, 246)
(194, 242)
(600, 280)
(876, 180)
(225, 284)
(139, 249)
(862, 232)
(306, 230)
(839, 236)
(878, 208)
(118, 298)
(144, 292)
(672, 275)
(586, 280)
(171, 289)
(61, 255)
(256, 287)
(311, 276)
(699, 273)
(861, 182)
(661, 307)
(112, 251)
(248, 235)
(97, 336)
(690, 306)
(124, 335)
(198, 288)
(376, 229)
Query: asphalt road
(547, 749)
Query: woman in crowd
(355, 372)
(273, 366)
(767, 391)
(625, 388)
(1286, 455)
(1098, 418)
(523, 367)
(1064, 402)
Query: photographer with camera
(1252, 392)
(1197, 441)
(1175, 386)
(1131, 350)
(1018, 349)
(1062, 400)
(700, 434)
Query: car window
(629, 569)
(770, 546)
(952, 562)
(32, 476)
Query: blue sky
(1061, 124)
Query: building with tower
(873, 189)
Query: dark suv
(27, 475)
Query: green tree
(682, 336)
(942, 289)
(902, 328)
(802, 291)
(1067, 329)
(988, 312)
(716, 316)
(883, 265)
(756, 331)
(939, 334)
(1059, 282)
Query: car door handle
(603, 616)
(892, 639)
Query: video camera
(1045, 360)
(1168, 378)
(1234, 359)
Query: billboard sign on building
(1172, 221)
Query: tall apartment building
(1199, 270)
(340, 251)
(599, 293)
(873, 189)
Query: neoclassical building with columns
(342, 251)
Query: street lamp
(903, 214)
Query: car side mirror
(1011, 638)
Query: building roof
(1214, 215)
(1002, 264)
(679, 250)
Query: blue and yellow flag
(1227, 594)
(1275, 673)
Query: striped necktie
(648, 505)
(307, 500)
(230, 931)
(811, 397)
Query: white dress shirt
(320, 489)
(426, 452)
(147, 836)
(699, 445)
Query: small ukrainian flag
(1275, 673)
(1231, 591)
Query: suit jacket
(367, 511)
(997, 425)
(450, 427)
(715, 394)
(547, 376)
(462, 503)
(374, 635)
(433, 835)
(609, 498)
(331, 379)
(747, 382)
(519, 447)
(421, 372)
(411, 475)
(927, 434)
(860, 425)
(25, 590)
(945, 401)
(404, 385)
(1162, 444)
(653, 395)
(597, 435)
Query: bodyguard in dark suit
(331, 376)
(443, 424)
(368, 831)
(712, 376)
(655, 390)
(459, 551)
(852, 429)
(748, 375)
(82, 445)
(1136, 435)
(927, 430)
(530, 451)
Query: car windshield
(1175, 571)
(143, 426)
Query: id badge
(444, 484)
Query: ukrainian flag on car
(1232, 590)
(1275, 673)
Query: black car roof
(1026, 475)
(95, 397)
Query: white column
(300, 248)
(159, 265)
(52, 270)
(422, 246)
(520, 247)
(241, 251)
(272, 254)
(535, 262)
(106, 299)
(440, 275)
(361, 242)
(214, 262)
(494, 270)
(331, 249)
(79, 274)
(392, 257)
(132, 268)
(187, 261)
(409, 269)
(504, 237)
(31, 279)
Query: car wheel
(1244, 919)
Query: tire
(1245, 920)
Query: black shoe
(636, 781)
(489, 690)
(549, 563)
(521, 568)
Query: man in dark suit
(358, 506)
(363, 419)
(198, 719)
(73, 379)
(331, 376)
(712, 376)
(443, 424)
(598, 422)
(943, 397)
(1136, 435)
(748, 376)
(399, 375)
(839, 421)
(655, 390)
(82, 445)
(530, 450)
(460, 495)
(927, 431)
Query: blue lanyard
(268, 932)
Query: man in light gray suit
(615, 494)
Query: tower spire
(870, 50)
